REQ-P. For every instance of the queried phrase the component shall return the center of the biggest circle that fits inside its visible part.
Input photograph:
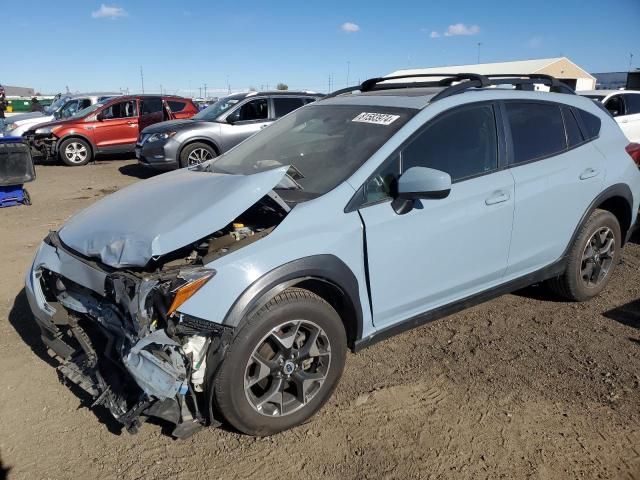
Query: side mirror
(420, 183)
(100, 117)
(233, 117)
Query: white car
(64, 107)
(623, 105)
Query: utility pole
(348, 71)
(160, 89)
(630, 61)
(205, 90)
(228, 85)
(479, 45)
(142, 78)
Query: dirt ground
(522, 387)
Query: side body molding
(324, 268)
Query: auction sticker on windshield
(376, 118)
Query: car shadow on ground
(627, 314)
(21, 318)
(138, 171)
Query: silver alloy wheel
(597, 257)
(198, 155)
(76, 152)
(287, 368)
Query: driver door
(445, 249)
(245, 120)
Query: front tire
(196, 153)
(75, 152)
(282, 366)
(592, 258)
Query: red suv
(111, 126)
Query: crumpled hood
(162, 214)
(171, 125)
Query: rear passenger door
(630, 121)
(151, 111)
(244, 120)
(557, 174)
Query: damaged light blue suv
(234, 288)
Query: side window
(69, 109)
(632, 102)
(284, 105)
(121, 110)
(590, 122)
(537, 130)
(462, 143)
(574, 136)
(383, 183)
(150, 105)
(257, 109)
(176, 106)
(615, 105)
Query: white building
(562, 68)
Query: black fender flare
(201, 139)
(616, 190)
(325, 268)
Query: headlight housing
(10, 126)
(186, 284)
(160, 136)
(45, 130)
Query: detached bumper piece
(110, 348)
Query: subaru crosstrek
(233, 289)
(216, 129)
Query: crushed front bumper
(103, 328)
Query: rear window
(176, 106)
(537, 130)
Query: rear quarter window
(590, 124)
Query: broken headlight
(186, 284)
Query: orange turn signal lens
(186, 291)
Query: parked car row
(108, 126)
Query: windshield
(212, 112)
(323, 144)
(56, 105)
(85, 111)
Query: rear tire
(591, 259)
(196, 153)
(75, 152)
(264, 386)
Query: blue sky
(90, 45)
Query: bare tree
(282, 86)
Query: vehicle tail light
(633, 149)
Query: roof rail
(466, 82)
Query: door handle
(132, 124)
(624, 120)
(589, 173)
(263, 126)
(497, 197)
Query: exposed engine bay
(128, 346)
